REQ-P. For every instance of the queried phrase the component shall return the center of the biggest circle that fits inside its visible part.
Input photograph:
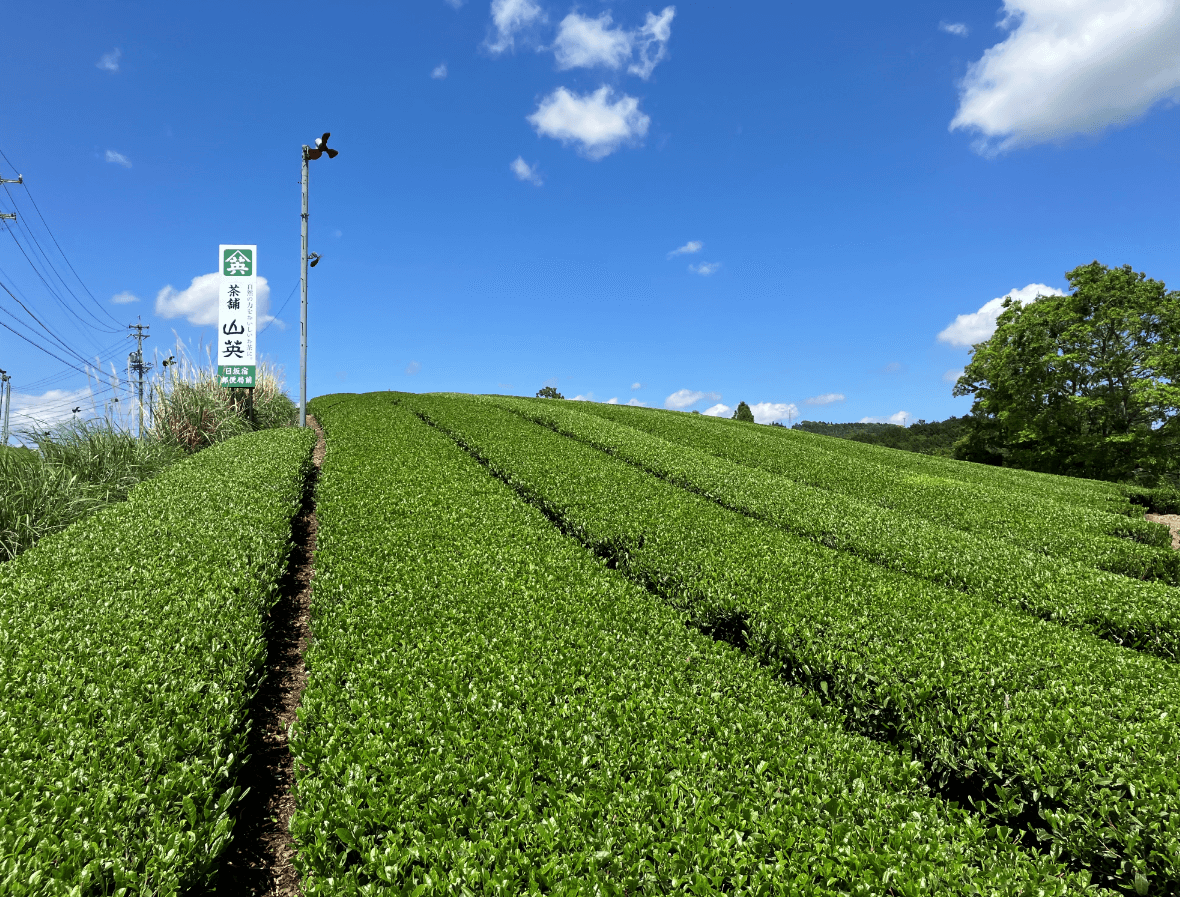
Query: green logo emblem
(238, 263)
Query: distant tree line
(933, 438)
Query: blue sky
(515, 180)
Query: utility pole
(137, 364)
(20, 179)
(309, 153)
(6, 396)
(303, 301)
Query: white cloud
(613, 401)
(651, 43)
(718, 410)
(826, 399)
(508, 18)
(584, 43)
(52, 407)
(588, 397)
(594, 121)
(526, 172)
(124, 297)
(967, 330)
(439, 71)
(118, 158)
(1069, 68)
(689, 247)
(682, 398)
(952, 376)
(413, 367)
(637, 403)
(636, 385)
(900, 418)
(956, 28)
(454, 4)
(198, 303)
(705, 268)
(894, 367)
(765, 412)
(109, 62)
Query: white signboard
(237, 315)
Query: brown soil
(257, 862)
(1172, 521)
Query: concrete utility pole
(309, 153)
(11, 216)
(138, 365)
(6, 397)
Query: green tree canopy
(1086, 384)
(743, 412)
(548, 392)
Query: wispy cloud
(588, 397)
(636, 403)
(952, 376)
(124, 297)
(596, 122)
(687, 249)
(109, 62)
(651, 44)
(766, 412)
(718, 410)
(705, 268)
(826, 398)
(526, 172)
(894, 367)
(118, 158)
(585, 43)
(682, 398)
(968, 330)
(900, 419)
(956, 28)
(637, 385)
(613, 401)
(454, 4)
(198, 302)
(1070, 68)
(36, 411)
(439, 71)
(413, 367)
(509, 18)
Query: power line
(53, 336)
(53, 237)
(30, 235)
(275, 316)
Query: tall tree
(1085, 384)
(549, 392)
(743, 412)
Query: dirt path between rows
(257, 862)
(1172, 521)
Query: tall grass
(80, 466)
(190, 410)
(77, 468)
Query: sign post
(237, 316)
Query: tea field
(583, 649)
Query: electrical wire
(29, 235)
(53, 237)
(275, 316)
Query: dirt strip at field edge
(1172, 522)
(258, 860)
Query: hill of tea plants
(582, 649)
